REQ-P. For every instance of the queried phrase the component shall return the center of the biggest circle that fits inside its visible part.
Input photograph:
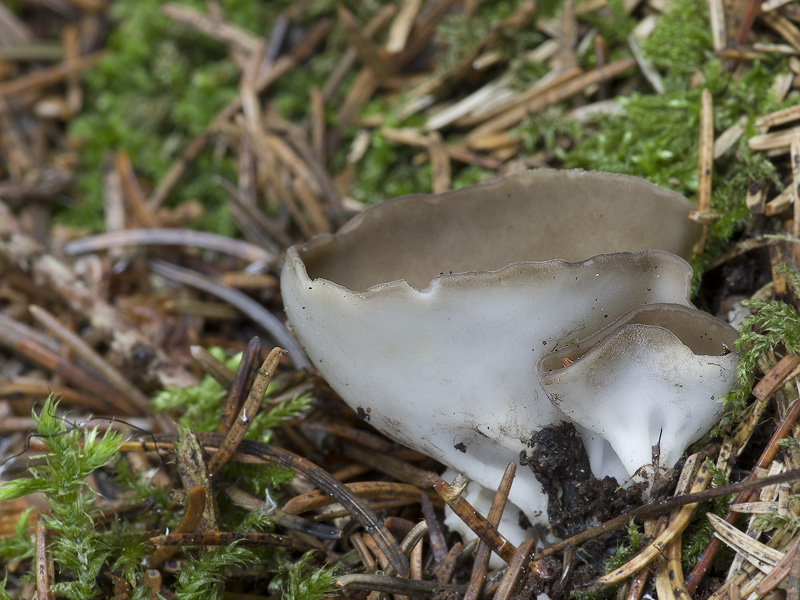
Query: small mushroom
(651, 377)
(429, 314)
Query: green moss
(773, 325)
(158, 88)
(469, 175)
(20, 546)
(83, 546)
(270, 418)
(387, 170)
(680, 44)
(200, 405)
(656, 139)
(657, 136)
(202, 574)
(261, 480)
(79, 550)
(614, 24)
(627, 549)
(303, 581)
(458, 36)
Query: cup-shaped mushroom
(652, 378)
(428, 314)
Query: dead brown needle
(44, 562)
(247, 413)
(174, 540)
(485, 531)
(762, 392)
(374, 490)
(242, 381)
(516, 568)
(480, 566)
(195, 503)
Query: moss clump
(302, 581)
(84, 546)
(774, 325)
(200, 405)
(627, 549)
(614, 26)
(159, 87)
(19, 546)
(79, 551)
(657, 136)
(680, 44)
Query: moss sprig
(201, 577)
(3, 593)
(774, 325)
(626, 549)
(20, 546)
(303, 581)
(201, 404)
(79, 550)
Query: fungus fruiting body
(445, 319)
(650, 378)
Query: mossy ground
(161, 84)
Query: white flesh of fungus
(429, 315)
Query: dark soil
(577, 499)
(735, 280)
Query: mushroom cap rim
(295, 263)
(615, 331)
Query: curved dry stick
(363, 489)
(170, 237)
(195, 504)
(235, 298)
(360, 511)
